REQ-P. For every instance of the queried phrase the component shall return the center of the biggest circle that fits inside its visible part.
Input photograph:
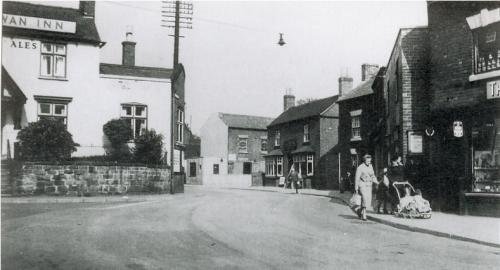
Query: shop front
(465, 159)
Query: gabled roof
(135, 71)
(313, 108)
(245, 121)
(86, 30)
(363, 89)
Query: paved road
(221, 229)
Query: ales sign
(38, 23)
(493, 89)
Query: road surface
(221, 229)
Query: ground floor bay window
(274, 166)
(304, 163)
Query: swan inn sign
(38, 23)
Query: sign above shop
(458, 129)
(38, 23)
(493, 89)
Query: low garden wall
(88, 180)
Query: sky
(232, 61)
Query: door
(247, 168)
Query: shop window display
(486, 159)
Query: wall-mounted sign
(493, 89)
(430, 131)
(38, 23)
(177, 161)
(24, 44)
(458, 129)
(415, 142)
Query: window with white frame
(356, 125)
(271, 166)
(243, 144)
(310, 165)
(53, 60)
(48, 109)
(263, 144)
(279, 166)
(306, 133)
(180, 126)
(136, 116)
(277, 138)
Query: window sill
(53, 79)
(482, 76)
(355, 139)
(242, 152)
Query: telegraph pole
(174, 9)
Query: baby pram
(412, 209)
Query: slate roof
(303, 149)
(245, 121)
(136, 71)
(313, 108)
(86, 30)
(363, 89)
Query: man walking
(364, 179)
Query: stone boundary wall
(88, 180)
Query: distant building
(233, 144)
(51, 69)
(357, 120)
(305, 137)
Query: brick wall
(406, 88)
(451, 55)
(36, 178)
(328, 153)
(254, 155)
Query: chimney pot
(87, 8)
(288, 101)
(345, 84)
(368, 71)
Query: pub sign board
(38, 23)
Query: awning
(10, 89)
(275, 152)
(303, 149)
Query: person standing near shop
(364, 179)
(396, 174)
(293, 178)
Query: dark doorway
(247, 167)
(192, 169)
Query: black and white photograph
(169, 134)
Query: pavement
(476, 229)
(221, 229)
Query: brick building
(306, 137)
(464, 151)
(405, 100)
(357, 119)
(233, 144)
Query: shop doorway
(454, 168)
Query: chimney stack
(288, 100)
(128, 53)
(345, 84)
(368, 71)
(87, 8)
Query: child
(382, 193)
